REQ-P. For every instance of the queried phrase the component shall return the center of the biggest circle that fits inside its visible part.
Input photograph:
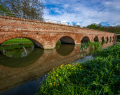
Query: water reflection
(40, 62)
(65, 49)
(16, 53)
(17, 58)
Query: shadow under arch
(113, 38)
(65, 49)
(102, 40)
(22, 61)
(66, 40)
(85, 39)
(96, 39)
(110, 38)
(107, 39)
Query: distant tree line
(24, 8)
(113, 29)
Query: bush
(100, 76)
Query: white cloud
(85, 12)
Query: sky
(83, 12)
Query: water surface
(22, 69)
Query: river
(22, 69)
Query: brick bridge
(46, 34)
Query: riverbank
(17, 41)
(95, 77)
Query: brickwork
(46, 34)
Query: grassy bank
(100, 76)
(17, 41)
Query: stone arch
(110, 38)
(102, 38)
(113, 38)
(96, 39)
(66, 40)
(36, 42)
(107, 39)
(85, 39)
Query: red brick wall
(45, 33)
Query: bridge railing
(29, 17)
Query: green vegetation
(114, 29)
(15, 46)
(84, 46)
(32, 9)
(94, 46)
(118, 38)
(4, 9)
(100, 76)
(17, 41)
(58, 44)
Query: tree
(26, 8)
(114, 29)
(7, 11)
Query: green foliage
(100, 76)
(94, 46)
(58, 44)
(114, 29)
(4, 9)
(95, 26)
(26, 8)
(17, 41)
(118, 38)
(84, 46)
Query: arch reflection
(65, 49)
(18, 52)
(21, 61)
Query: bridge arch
(113, 38)
(36, 42)
(107, 39)
(66, 40)
(96, 39)
(110, 38)
(102, 39)
(85, 39)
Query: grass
(17, 41)
(100, 76)
(15, 46)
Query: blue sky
(83, 12)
